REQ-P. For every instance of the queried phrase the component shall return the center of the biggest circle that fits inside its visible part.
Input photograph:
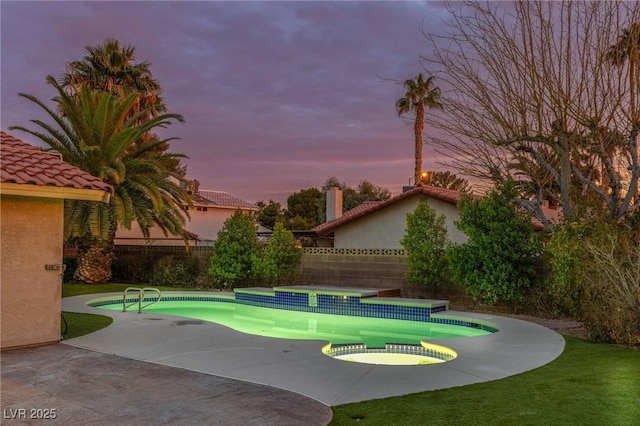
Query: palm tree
(111, 67)
(420, 93)
(627, 48)
(447, 180)
(95, 132)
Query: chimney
(194, 186)
(334, 203)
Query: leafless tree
(529, 91)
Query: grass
(76, 325)
(589, 384)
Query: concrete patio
(158, 369)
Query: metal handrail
(149, 304)
(141, 298)
(124, 299)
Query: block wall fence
(370, 268)
(344, 267)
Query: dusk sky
(277, 96)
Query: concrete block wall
(353, 270)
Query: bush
(204, 280)
(498, 262)
(281, 257)
(425, 241)
(131, 268)
(236, 252)
(171, 272)
(566, 254)
(610, 302)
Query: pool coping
(301, 367)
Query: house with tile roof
(33, 187)
(207, 216)
(381, 224)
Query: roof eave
(57, 192)
(216, 206)
(236, 207)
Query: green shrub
(281, 257)
(131, 268)
(498, 262)
(425, 242)
(566, 255)
(204, 280)
(171, 272)
(236, 252)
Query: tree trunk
(418, 127)
(565, 176)
(95, 256)
(633, 87)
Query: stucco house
(33, 187)
(361, 247)
(207, 216)
(381, 224)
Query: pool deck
(82, 387)
(300, 366)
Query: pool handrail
(141, 298)
(151, 303)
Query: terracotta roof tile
(23, 163)
(221, 199)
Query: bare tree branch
(519, 76)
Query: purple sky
(277, 96)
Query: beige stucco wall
(385, 227)
(30, 238)
(208, 224)
(205, 224)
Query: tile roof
(207, 197)
(447, 195)
(368, 207)
(22, 163)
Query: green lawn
(589, 384)
(76, 325)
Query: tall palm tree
(420, 93)
(112, 67)
(95, 132)
(627, 49)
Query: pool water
(336, 329)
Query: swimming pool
(358, 338)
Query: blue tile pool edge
(377, 310)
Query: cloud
(277, 96)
